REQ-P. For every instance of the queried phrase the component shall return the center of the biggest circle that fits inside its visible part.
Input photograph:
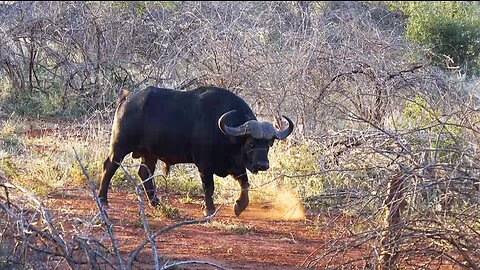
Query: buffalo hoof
(104, 204)
(155, 202)
(208, 212)
(240, 205)
(238, 209)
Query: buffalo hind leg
(110, 165)
(208, 188)
(242, 202)
(146, 170)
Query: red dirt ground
(262, 244)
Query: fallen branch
(137, 250)
(54, 234)
(176, 264)
(51, 234)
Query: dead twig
(137, 250)
(150, 239)
(177, 264)
(54, 234)
(103, 214)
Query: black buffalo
(210, 127)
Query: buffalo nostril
(262, 165)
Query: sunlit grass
(47, 162)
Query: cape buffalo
(210, 127)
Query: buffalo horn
(232, 131)
(287, 131)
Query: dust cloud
(285, 205)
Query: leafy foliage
(450, 30)
(10, 142)
(439, 134)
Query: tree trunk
(31, 64)
(393, 224)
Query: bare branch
(103, 214)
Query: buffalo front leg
(242, 202)
(208, 188)
(146, 170)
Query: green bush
(32, 104)
(54, 102)
(10, 142)
(440, 134)
(450, 29)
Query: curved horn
(232, 131)
(287, 131)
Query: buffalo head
(257, 137)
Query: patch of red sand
(266, 243)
